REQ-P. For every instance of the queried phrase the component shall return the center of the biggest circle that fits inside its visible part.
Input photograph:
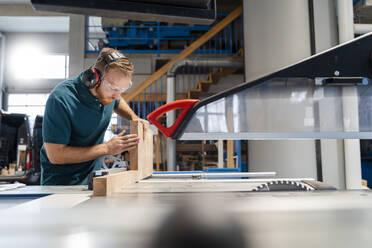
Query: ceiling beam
(24, 10)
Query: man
(76, 117)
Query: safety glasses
(108, 86)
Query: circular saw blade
(283, 185)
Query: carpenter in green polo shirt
(77, 114)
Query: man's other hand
(121, 143)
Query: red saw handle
(179, 104)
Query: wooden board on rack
(230, 154)
(141, 165)
(157, 151)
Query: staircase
(202, 88)
(217, 28)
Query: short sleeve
(56, 123)
(116, 103)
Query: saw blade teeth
(280, 185)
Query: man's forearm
(64, 154)
(125, 111)
(70, 154)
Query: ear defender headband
(92, 77)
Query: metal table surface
(34, 198)
(133, 218)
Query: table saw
(201, 210)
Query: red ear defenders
(92, 77)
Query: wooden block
(106, 185)
(142, 158)
(365, 183)
(4, 172)
(230, 154)
(11, 171)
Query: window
(37, 65)
(43, 67)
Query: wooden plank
(155, 97)
(147, 168)
(186, 52)
(106, 185)
(230, 154)
(142, 158)
(157, 151)
(141, 165)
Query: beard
(104, 99)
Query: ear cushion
(91, 78)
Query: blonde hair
(123, 64)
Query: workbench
(68, 216)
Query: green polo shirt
(74, 117)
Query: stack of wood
(9, 170)
(197, 155)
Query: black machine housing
(201, 12)
(15, 133)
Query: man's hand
(145, 123)
(121, 143)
